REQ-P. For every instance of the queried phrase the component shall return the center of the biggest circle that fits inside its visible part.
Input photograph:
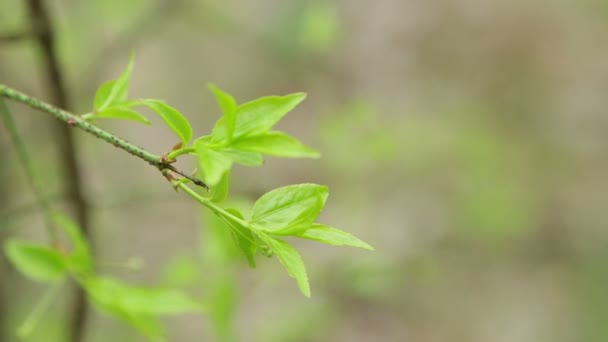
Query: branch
(76, 121)
(24, 157)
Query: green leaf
(291, 260)
(79, 260)
(220, 191)
(114, 295)
(259, 115)
(212, 163)
(244, 157)
(113, 92)
(276, 144)
(228, 106)
(172, 118)
(243, 236)
(222, 306)
(36, 262)
(121, 112)
(333, 236)
(289, 209)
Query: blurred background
(465, 140)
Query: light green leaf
(276, 144)
(36, 262)
(289, 209)
(260, 115)
(212, 163)
(220, 191)
(222, 310)
(243, 236)
(244, 157)
(291, 260)
(172, 118)
(121, 112)
(333, 236)
(113, 92)
(79, 260)
(115, 296)
(228, 106)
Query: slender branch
(77, 121)
(41, 200)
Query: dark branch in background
(14, 37)
(28, 168)
(41, 24)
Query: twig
(77, 121)
(32, 179)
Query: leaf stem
(174, 154)
(209, 204)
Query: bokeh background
(465, 140)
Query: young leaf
(79, 260)
(220, 191)
(276, 144)
(228, 106)
(121, 112)
(172, 118)
(36, 262)
(244, 157)
(113, 92)
(260, 115)
(333, 236)
(290, 208)
(242, 235)
(213, 164)
(116, 296)
(291, 260)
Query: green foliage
(38, 263)
(289, 210)
(243, 135)
(333, 236)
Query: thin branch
(78, 122)
(32, 179)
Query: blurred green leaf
(276, 144)
(228, 106)
(333, 236)
(222, 307)
(114, 92)
(36, 262)
(212, 163)
(319, 27)
(138, 306)
(121, 112)
(181, 270)
(172, 118)
(79, 260)
(289, 209)
(291, 260)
